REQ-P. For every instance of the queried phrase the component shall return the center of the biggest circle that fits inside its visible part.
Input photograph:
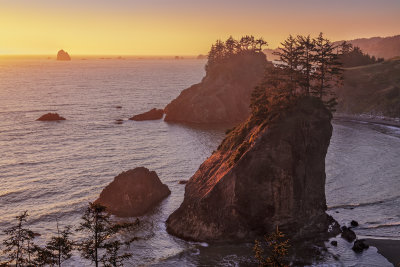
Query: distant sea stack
(63, 56)
(133, 193)
(153, 114)
(262, 176)
(223, 96)
(51, 117)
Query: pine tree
(289, 54)
(327, 68)
(112, 258)
(60, 246)
(306, 45)
(19, 245)
(99, 229)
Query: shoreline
(394, 122)
(388, 248)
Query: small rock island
(63, 56)
(133, 193)
(51, 117)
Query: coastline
(395, 122)
(388, 248)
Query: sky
(181, 27)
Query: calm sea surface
(54, 169)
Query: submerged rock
(153, 114)
(354, 223)
(223, 96)
(262, 176)
(359, 245)
(62, 55)
(348, 234)
(51, 117)
(133, 193)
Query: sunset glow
(180, 27)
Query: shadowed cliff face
(262, 176)
(223, 96)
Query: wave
(354, 205)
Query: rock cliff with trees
(269, 171)
(234, 67)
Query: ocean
(53, 169)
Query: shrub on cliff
(273, 250)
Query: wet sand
(390, 249)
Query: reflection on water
(54, 169)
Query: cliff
(372, 89)
(263, 175)
(223, 96)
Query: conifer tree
(60, 246)
(19, 245)
(99, 229)
(327, 68)
(306, 44)
(289, 54)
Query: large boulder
(262, 176)
(153, 114)
(51, 117)
(62, 55)
(133, 193)
(223, 96)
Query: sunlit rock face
(133, 193)
(223, 96)
(153, 114)
(262, 176)
(62, 55)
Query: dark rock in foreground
(348, 234)
(223, 96)
(153, 114)
(354, 223)
(62, 55)
(334, 243)
(51, 117)
(359, 245)
(262, 176)
(133, 193)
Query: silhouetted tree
(354, 56)
(60, 246)
(272, 251)
(306, 58)
(289, 54)
(19, 245)
(111, 257)
(99, 229)
(327, 68)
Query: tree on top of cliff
(310, 66)
(221, 51)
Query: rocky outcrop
(51, 117)
(133, 193)
(262, 176)
(223, 96)
(62, 55)
(153, 114)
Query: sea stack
(133, 193)
(264, 175)
(223, 96)
(63, 56)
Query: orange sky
(181, 27)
